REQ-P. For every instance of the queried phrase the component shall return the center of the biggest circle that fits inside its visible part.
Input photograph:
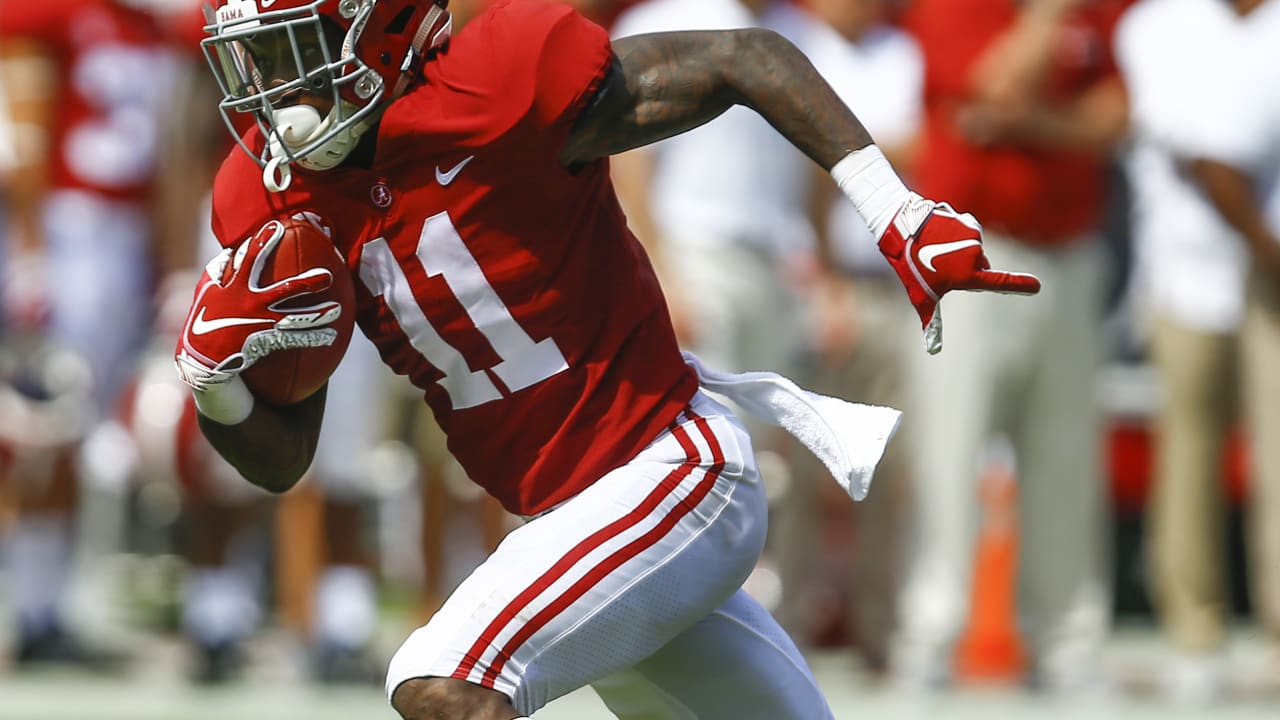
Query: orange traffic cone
(990, 651)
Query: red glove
(235, 321)
(936, 250)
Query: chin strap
(276, 176)
(433, 33)
(300, 125)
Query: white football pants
(633, 584)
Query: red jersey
(113, 74)
(1042, 195)
(505, 286)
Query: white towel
(849, 438)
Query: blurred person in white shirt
(862, 331)
(727, 231)
(1240, 172)
(88, 81)
(717, 220)
(1191, 283)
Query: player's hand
(834, 317)
(234, 320)
(936, 250)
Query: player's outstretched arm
(666, 83)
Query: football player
(466, 182)
(221, 598)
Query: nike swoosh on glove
(235, 320)
(936, 250)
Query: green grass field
(154, 689)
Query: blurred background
(1080, 516)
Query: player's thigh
(734, 664)
(610, 576)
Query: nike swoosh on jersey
(444, 178)
(929, 253)
(200, 326)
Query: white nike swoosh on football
(444, 178)
(200, 326)
(929, 253)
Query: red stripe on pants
(581, 550)
(619, 557)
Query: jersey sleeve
(574, 60)
(522, 66)
(551, 54)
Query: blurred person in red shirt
(1022, 109)
(862, 335)
(93, 75)
(1192, 273)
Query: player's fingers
(304, 283)
(1005, 282)
(926, 310)
(933, 333)
(310, 317)
(263, 242)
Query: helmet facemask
(266, 62)
(351, 56)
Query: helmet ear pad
(384, 42)
(398, 35)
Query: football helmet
(352, 56)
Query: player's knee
(434, 698)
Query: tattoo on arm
(666, 83)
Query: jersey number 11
(441, 252)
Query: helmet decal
(239, 12)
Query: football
(285, 377)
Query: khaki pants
(1197, 371)
(1201, 374)
(888, 332)
(1024, 367)
(1260, 346)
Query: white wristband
(228, 403)
(866, 176)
